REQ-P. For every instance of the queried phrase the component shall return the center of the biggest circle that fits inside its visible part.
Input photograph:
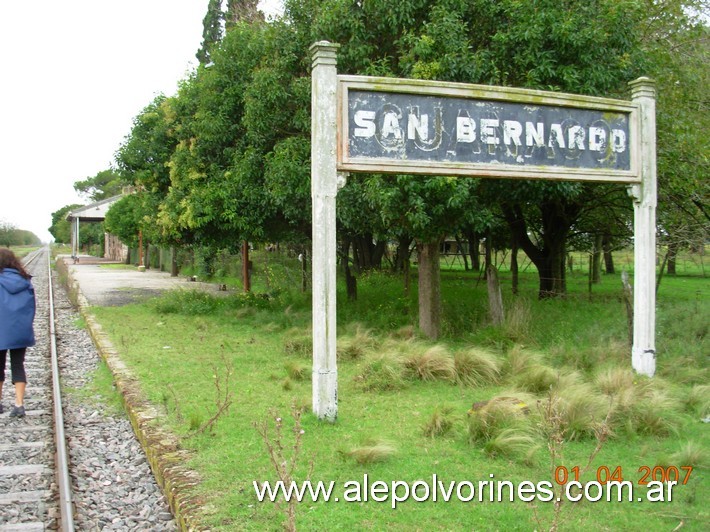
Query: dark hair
(9, 260)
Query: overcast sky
(74, 75)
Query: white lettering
(597, 138)
(655, 491)
(556, 136)
(418, 126)
(352, 491)
(366, 122)
(444, 492)
(390, 126)
(400, 498)
(488, 131)
(465, 129)
(534, 134)
(512, 131)
(379, 491)
(471, 491)
(576, 137)
(415, 491)
(618, 140)
(526, 491)
(588, 491)
(545, 487)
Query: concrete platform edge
(161, 447)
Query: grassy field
(404, 402)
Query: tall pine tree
(211, 30)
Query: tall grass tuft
(356, 344)
(581, 410)
(440, 423)
(614, 381)
(298, 342)
(434, 364)
(382, 372)
(698, 400)
(692, 454)
(536, 378)
(518, 359)
(646, 408)
(475, 367)
(518, 320)
(498, 416)
(407, 332)
(513, 442)
(371, 451)
(297, 371)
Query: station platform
(107, 283)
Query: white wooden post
(643, 351)
(324, 188)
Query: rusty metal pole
(140, 248)
(245, 266)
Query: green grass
(403, 406)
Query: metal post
(246, 281)
(324, 188)
(643, 351)
(76, 238)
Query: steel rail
(62, 461)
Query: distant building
(114, 249)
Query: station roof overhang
(95, 212)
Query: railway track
(71, 463)
(34, 479)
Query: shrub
(187, 302)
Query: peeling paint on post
(643, 352)
(324, 188)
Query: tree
(105, 184)
(211, 31)
(61, 228)
(125, 219)
(679, 44)
(242, 11)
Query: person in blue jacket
(17, 313)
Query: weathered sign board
(404, 126)
(384, 125)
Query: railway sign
(385, 125)
(414, 127)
